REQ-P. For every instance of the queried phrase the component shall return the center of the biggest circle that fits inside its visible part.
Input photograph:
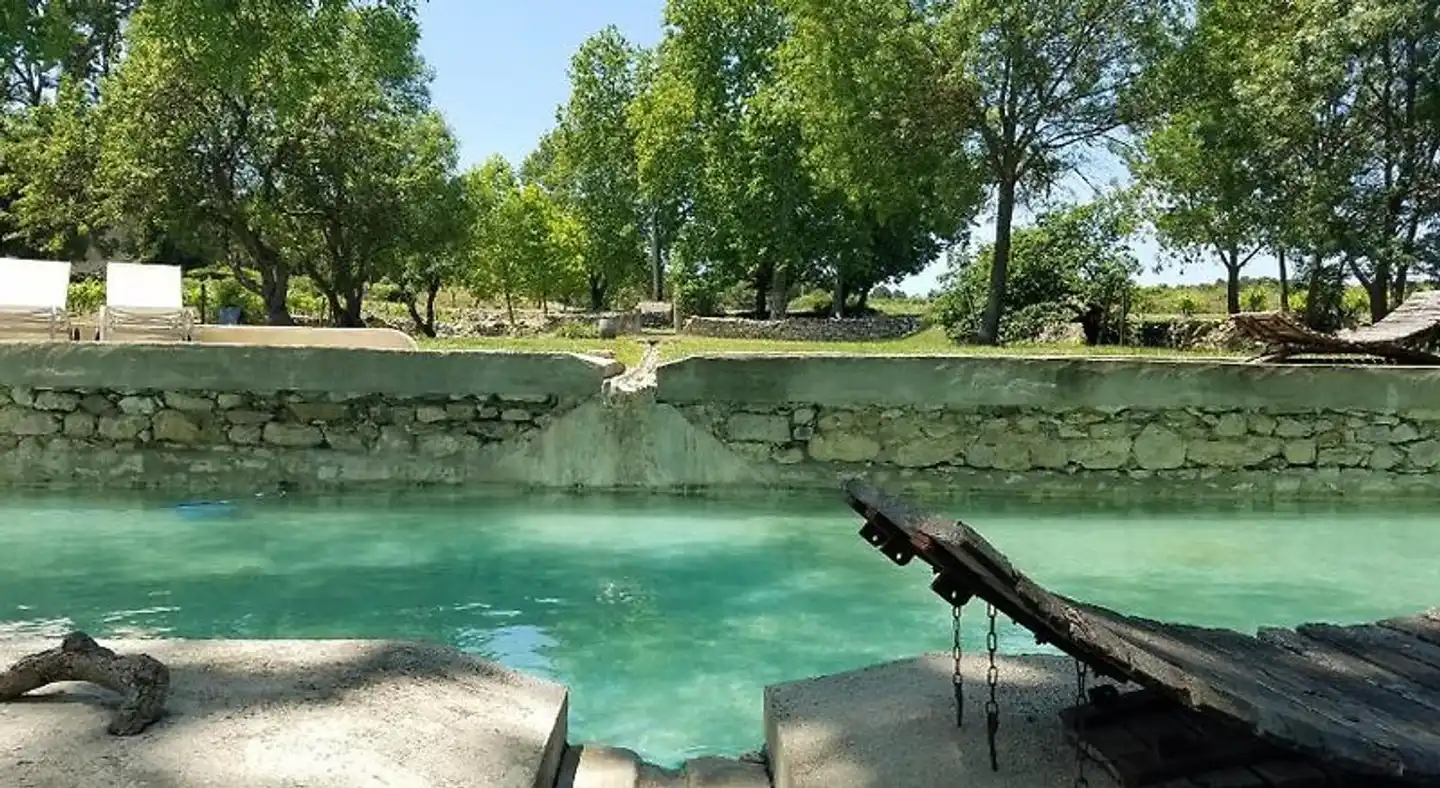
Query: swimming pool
(666, 616)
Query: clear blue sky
(500, 72)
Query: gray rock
(758, 428)
(248, 417)
(137, 405)
(431, 414)
(1291, 428)
(319, 412)
(1159, 448)
(1232, 453)
(445, 444)
(246, 434)
(1300, 452)
(79, 424)
(97, 405)
(191, 403)
(843, 447)
(1231, 425)
(22, 395)
(122, 427)
(1101, 455)
(20, 421)
(173, 426)
(515, 415)
(57, 401)
(300, 436)
(230, 401)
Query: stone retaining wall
(191, 417)
(1071, 425)
(805, 329)
(91, 414)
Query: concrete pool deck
(321, 714)
(893, 726)
(351, 714)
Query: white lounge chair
(144, 303)
(33, 298)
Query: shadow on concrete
(318, 713)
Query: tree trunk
(657, 262)
(350, 314)
(1379, 290)
(779, 294)
(1284, 282)
(275, 291)
(1232, 282)
(1398, 286)
(837, 295)
(763, 277)
(1315, 292)
(1000, 265)
(597, 292)
(425, 324)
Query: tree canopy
(760, 150)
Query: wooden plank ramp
(1364, 700)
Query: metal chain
(1080, 701)
(992, 678)
(956, 678)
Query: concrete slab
(893, 726)
(322, 714)
(725, 773)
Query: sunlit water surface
(667, 616)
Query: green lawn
(930, 342)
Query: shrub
(86, 297)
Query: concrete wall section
(1055, 383)
(253, 369)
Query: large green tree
(709, 127)
(230, 126)
(1201, 161)
(1024, 87)
(589, 163)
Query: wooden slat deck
(1405, 335)
(1362, 698)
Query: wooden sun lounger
(1405, 335)
(1363, 699)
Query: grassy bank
(930, 342)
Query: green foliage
(86, 296)
(1072, 263)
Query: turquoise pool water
(666, 617)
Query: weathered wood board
(1362, 698)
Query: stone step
(893, 726)
(323, 714)
(599, 766)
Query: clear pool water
(666, 616)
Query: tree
(213, 112)
(1025, 87)
(590, 163)
(708, 128)
(859, 78)
(489, 189)
(1073, 265)
(367, 156)
(1345, 97)
(1201, 163)
(50, 154)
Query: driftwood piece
(141, 680)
